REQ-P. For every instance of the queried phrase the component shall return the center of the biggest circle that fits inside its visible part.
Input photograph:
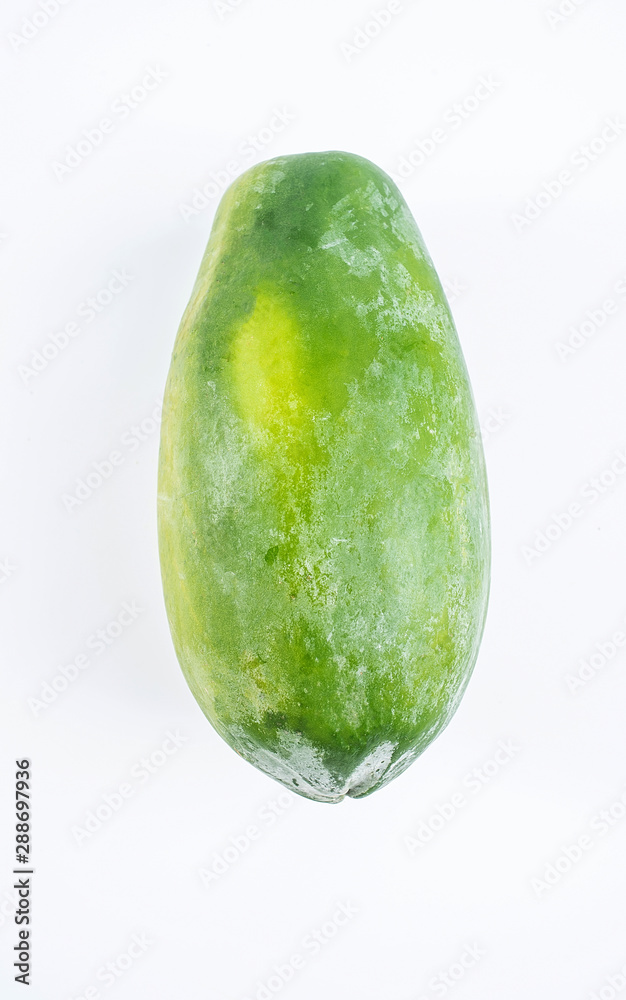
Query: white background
(552, 423)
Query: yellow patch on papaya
(267, 365)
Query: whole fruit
(323, 508)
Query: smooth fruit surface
(323, 508)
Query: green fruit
(323, 505)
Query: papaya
(323, 509)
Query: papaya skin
(323, 506)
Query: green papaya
(323, 508)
